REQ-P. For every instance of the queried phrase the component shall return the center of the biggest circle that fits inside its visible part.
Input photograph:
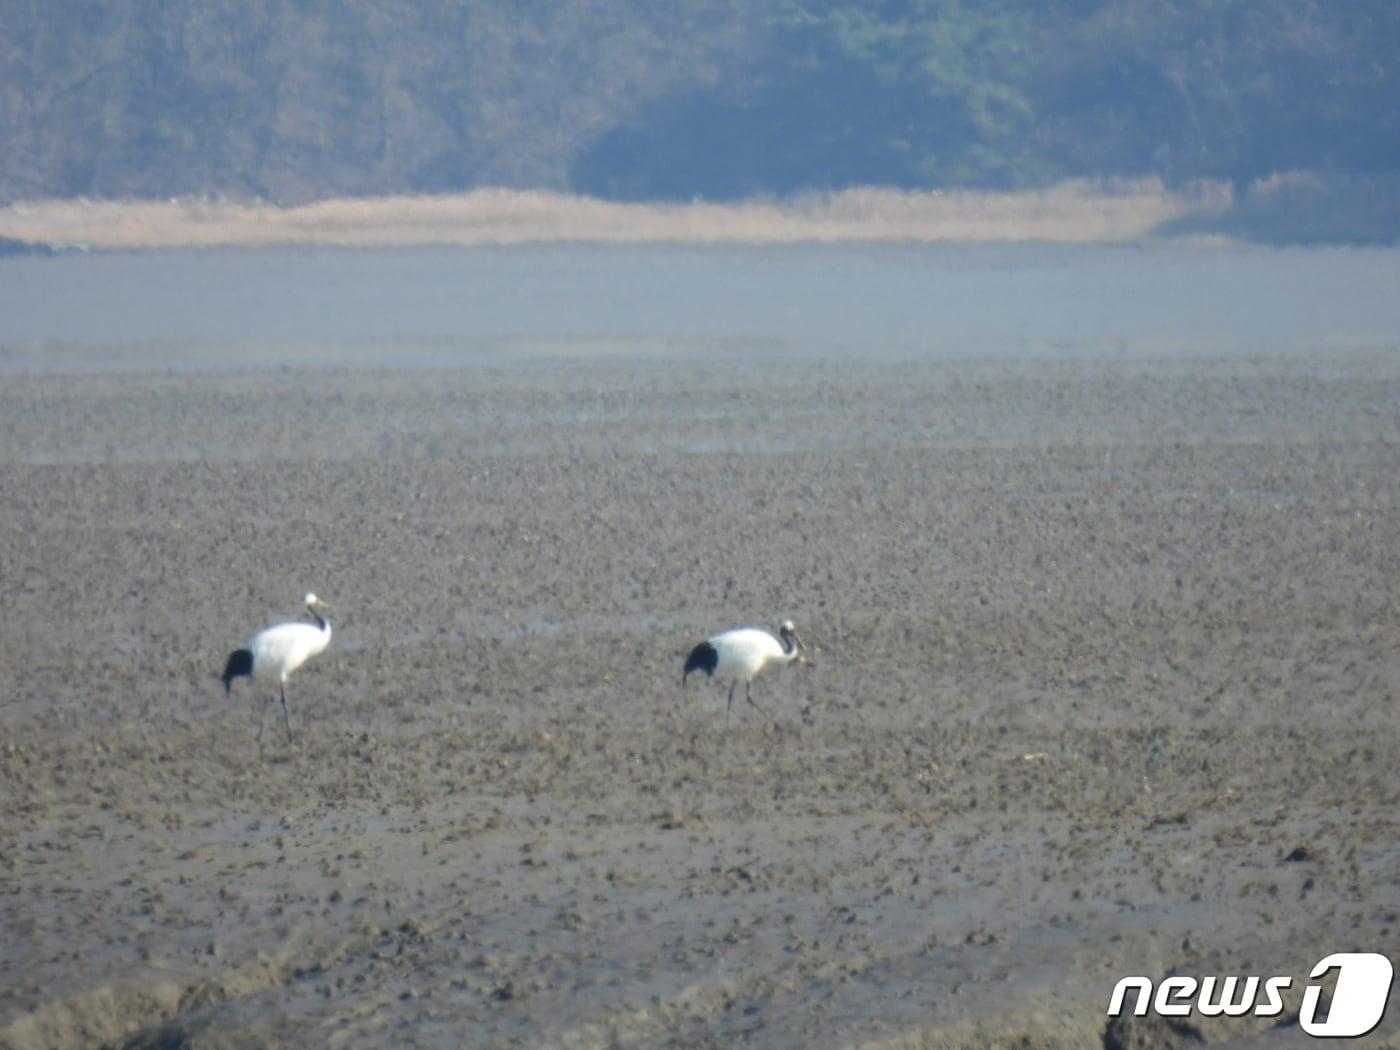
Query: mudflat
(1103, 683)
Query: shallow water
(432, 306)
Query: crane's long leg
(730, 708)
(748, 695)
(286, 716)
(262, 720)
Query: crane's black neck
(320, 620)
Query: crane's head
(788, 633)
(317, 609)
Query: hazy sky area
(904, 300)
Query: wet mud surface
(1104, 683)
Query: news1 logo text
(1358, 1000)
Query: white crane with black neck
(739, 655)
(278, 651)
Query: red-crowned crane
(740, 654)
(279, 651)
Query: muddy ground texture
(1106, 656)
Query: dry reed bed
(1077, 211)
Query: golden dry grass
(1077, 211)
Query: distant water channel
(255, 308)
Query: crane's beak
(804, 656)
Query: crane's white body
(280, 650)
(741, 654)
(745, 651)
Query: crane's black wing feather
(240, 662)
(702, 658)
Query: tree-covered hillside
(292, 100)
